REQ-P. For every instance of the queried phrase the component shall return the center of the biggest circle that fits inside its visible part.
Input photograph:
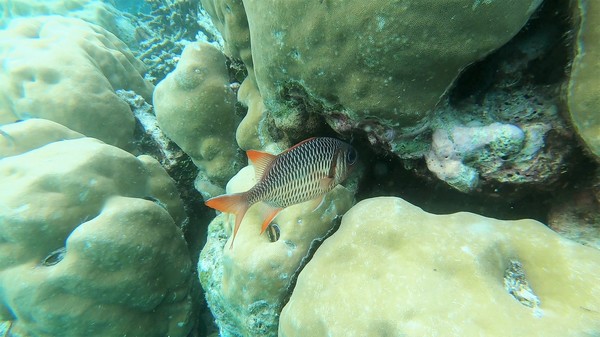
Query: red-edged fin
(260, 161)
(297, 145)
(231, 203)
(268, 213)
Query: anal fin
(267, 213)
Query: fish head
(347, 158)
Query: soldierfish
(304, 172)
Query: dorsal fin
(302, 142)
(260, 161)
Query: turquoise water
(464, 202)
(132, 6)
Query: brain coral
(67, 70)
(394, 270)
(90, 243)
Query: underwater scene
(299, 168)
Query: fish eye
(351, 156)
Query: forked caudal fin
(231, 203)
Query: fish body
(304, 172)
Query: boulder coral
(411, 273)
(90, 239)
(583, 94)
(363, 63)
(67, 70)
(246, 286)
(195, 107)
(97, 12)
(16, 138)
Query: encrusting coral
(67, 70)
(418, 274)
(195, 107)
(90, 239)
(483, 145)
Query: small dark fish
(304, 172)
(273, 232)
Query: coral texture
(583, 95)
(195, 108)
(67, 70)
(229, 17)
(536, 156)
(18, 138)
(347, 57)
(90, 243)
(246, 286)
(483, 145)
(97, 12)
(167, 29)
(394, 270)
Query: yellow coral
(90, 243)
(67, 70)
(393, 269)
(195, 107)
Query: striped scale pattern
(295, 176)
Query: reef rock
(394, 270)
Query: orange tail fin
(231, 203)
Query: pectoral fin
(325, 184)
